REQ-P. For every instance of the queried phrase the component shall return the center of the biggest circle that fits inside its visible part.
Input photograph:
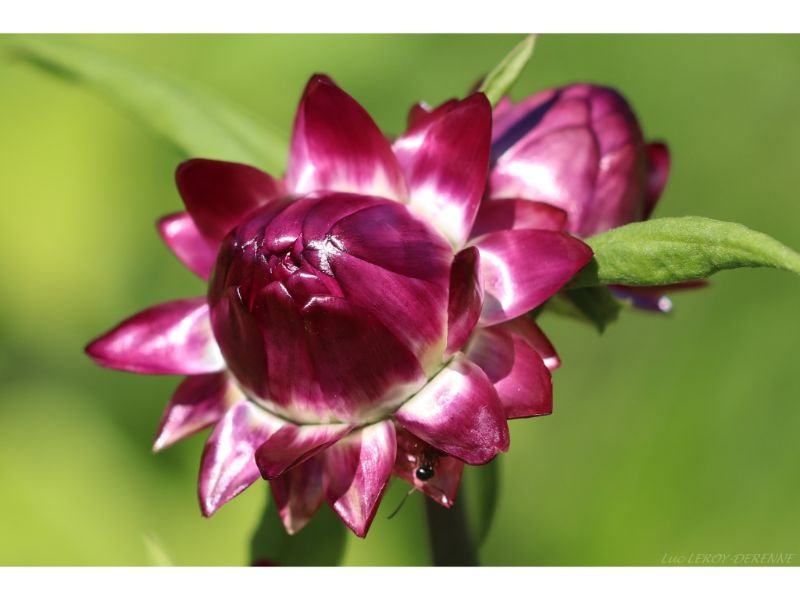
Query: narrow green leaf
(193, 121)
(500, 79)
(479, 490)
(672, 250)
(320, 543)
(157, 555)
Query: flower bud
(579, 148)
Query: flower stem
(450, 539)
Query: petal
(458, 413)
(517, 371)
(522, 268)
(512, 213)
(336, 146)
(219, 195)
(173, 338)
(181, 235)
(199, 402)
(331, 360)
(293, 444)
(357, 470)
(658, 171)
(466, 298)
(526, 327)
(412, 453)
(447, 172)
(420, 118)
(227, 467)
(298, 494)
(560, 168)
(654, 298)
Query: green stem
(449, 535)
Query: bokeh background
(671, 435)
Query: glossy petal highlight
(219, 194)
(459, 413)
(173, 338)
(228, 467)
(181, 235)
(336, 146)
(523, 268)
(357, 471)
(199, 402)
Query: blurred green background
(671, 435)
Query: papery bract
(361, 317)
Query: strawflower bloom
(362, 319)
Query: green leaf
(672, 250)
(594, 305)
(479, 489)
(195, 122)
(500, 79)
(320, 543)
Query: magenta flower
(363, 318)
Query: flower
(362, 317)
(578, 148)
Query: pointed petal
(458, 412)
(228, 467)
(420, 118)
(527, 328)
(336, 146)
(357, 469)
(466, 298)
(293, 444)
(219, 195)
(181, 235)
(512, 213)
(298, 494)
(517, 371)
(173, 338)
(412, 453)
(199, 402)
(522, 268)
(447, 172)
(658, 171)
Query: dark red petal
(458, 412)
(512, 213)
(527, 328)
(173, 338)
(219, 195)
(336, 146)
(517, 371)
(298, 494)
(412, 453)
(466, 298)
(199, 402)
(292, 444)
(357, 470)
(447, 172)
(522, 268)
(658, 160)
(228, 467)
(181, 235)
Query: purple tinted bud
(579, 148)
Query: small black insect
(424, 472)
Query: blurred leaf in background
(670, 435)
